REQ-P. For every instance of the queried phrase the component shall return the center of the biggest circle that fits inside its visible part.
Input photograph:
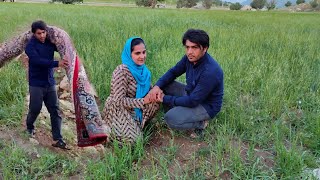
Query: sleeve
(35, 59)
(203, 88)
(173, 73)
(119, 85)
(149, 111)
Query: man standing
(41, 81)
(191, 106)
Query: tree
(207, 4)
(235, 6)
(258, 4)
(180, 3)
(288, 4)
(271, 5)
(68, 1)
(144, 3)
(147, 3)
(191, 3)
(186, 3)
(217, 2)
(226, 3)
(300, 1)
(314, 3)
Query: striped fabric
(119, 107)
(14, 47)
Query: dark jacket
(204, 84)
(41, 62)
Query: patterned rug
(91, 130)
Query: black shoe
(31, 133)
(197, 134)
(60, 144)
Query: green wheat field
(271, 62)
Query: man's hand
(147, 99)
(160, 97)
(63, 63)
(155, 93)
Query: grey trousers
(179, 117)
(49, 96)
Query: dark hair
(135, 42)
(38, 25)
(198, 36)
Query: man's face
(41, 35)
(194, 52)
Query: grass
(110, 1)
(13, 88)
(271, 65)
(17, 163)
(171, 3)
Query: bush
(186, 3)
(180, 3)
(146, 3)
(258, 4)
(226, 4)
(235, 6)
(68, 1)
(271, 5)
(207, 4)
(314, 3)
(288, 4)
(300, 1)
(217, 2)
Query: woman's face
(139, 54)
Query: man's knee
(173, 120)
(35, 109)
(52, 107)
(55, 112)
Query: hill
(279, 4)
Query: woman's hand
(147, 99)
(154, 93)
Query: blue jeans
(179, 117)
(48, 95)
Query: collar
(36, 40)
(200, 61)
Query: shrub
(258, 4)
(288, 4)
(180, 3)
(217, 2)
(235, 6)
(146, 3)
(271, 5)
(186, 3)
(314, 3)
(207, 4)
(300, 1)
(68, 1)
